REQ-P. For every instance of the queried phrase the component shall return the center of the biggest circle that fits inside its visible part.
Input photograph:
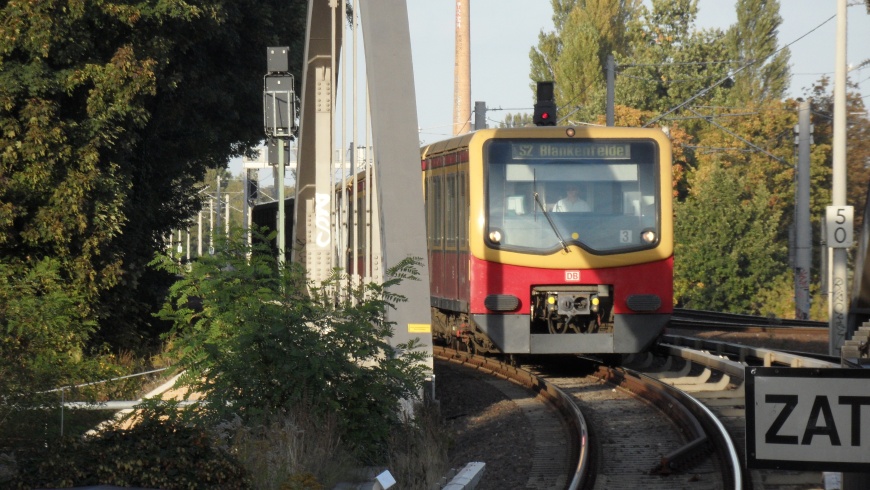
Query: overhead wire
(727, 77)
(741, 138)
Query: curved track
(713, 372)
(629, 431)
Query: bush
(159, 451)
(261, 340)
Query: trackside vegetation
(299, 385)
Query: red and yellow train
(519, 266)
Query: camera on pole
(545, 105)
(279, 97)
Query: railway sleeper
(685, 457)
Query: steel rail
(704, 428)
(741, 352)
(738, 319)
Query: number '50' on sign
(838, 222)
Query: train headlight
(595, 303)
(648, 236)
(495, 236)
(551, 302)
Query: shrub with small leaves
(160, 451)
(263, 340)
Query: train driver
(572, 202)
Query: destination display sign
(808, 419)
(569, 150)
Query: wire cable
(727, 77)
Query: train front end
(570, 239)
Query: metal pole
(355, 272)
(246, 205)
(336, 260)
(199, 234)
(218, 202)
(211, 226)
(838, 304)
(803, 231)
(479, 115)
(282, 232)
(227, 211)
(839, 324)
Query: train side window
(437, 212)
(450, 212)
(427, 202)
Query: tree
(44, 335)
(110, 112)
(517, 120)
(757, 146)
(857, 143)
(574, 55)
(762, 74)
(726, 244)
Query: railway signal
(545, 105)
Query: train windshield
(546, 194)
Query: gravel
(486, 426)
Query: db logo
(572, 276)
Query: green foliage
(726, 250)
(764, 73)
(574, 55)
(261, 340)
(109, 112)
(517, 120)
(777, 299)
(160, 451)
(44, 336)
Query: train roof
(464, 140)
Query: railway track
(705, 320)
(633, 433)
(713, 373)
(626, 430)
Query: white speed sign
(838, 221)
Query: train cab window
(601, 195)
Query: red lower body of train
(492, 307)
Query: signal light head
(545, 113)
(545, 105)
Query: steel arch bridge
(392, 226)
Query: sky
(504, 31)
